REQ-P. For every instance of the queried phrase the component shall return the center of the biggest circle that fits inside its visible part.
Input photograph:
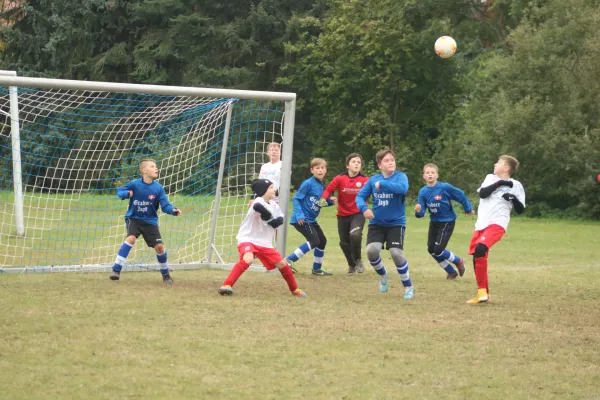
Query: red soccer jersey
(347, 189)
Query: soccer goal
(65, 147)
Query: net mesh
(77, 147)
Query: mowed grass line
(83, 336)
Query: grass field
(83, 336)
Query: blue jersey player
(387, 219)
(437, 198)
(307, 206)
(145, 196)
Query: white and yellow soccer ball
(445, 47)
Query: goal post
(66, 145)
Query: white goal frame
(13, 82)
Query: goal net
(66, 146)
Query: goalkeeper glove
(265, 215)
(508, 196)
(276, 222)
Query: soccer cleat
(115, 275)
(351, 271)
(167, 280)
(292, 266)
(225, 290)
(482, 297)
(320, 272)
(383, 283)
(409, 293)
(360, 268)
(461, 267)
(299, 293)
(452, 276)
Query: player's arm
(519, 207)
(486, 191)
(297, 200)
(266, 215)
(398, 186)
(166, 206)
(363, 195)
(125, 192)
(458, 195)
(326, 199)
(420, 207)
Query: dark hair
(382, 153)
(354, 155)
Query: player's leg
(161, 256)
(152, 237)
(357, 223)
(246, 257)
(432, 237)
(480, 249)
(268, 257)
(311, 241)
(442, 233)
(375, 239)
(344, 233)
(395, 243)
(132, 235)
(319, 252)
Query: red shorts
(488, 236)
(268, 256)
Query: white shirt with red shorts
(493, 213)
(256, 236)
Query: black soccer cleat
(115, 275)
(167, 280)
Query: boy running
(387, 219)
(437, 198)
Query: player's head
(386, 161)
(318, 167)
(354, 163)
(264, 188)
(506, 165)
(430, 174)
(148, 168)
(274, 152)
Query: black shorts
(136, 227)
(439, 236)
(391, 236)
(313, 233)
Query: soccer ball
(445, 47)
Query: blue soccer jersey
(438, 200)
(388, 201)
(144, 203)
(306, 201)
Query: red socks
(236, 272)
(289, 277)
(481, 272)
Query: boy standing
(350, 220)
(304, 218)
(145, 195)
(387, 219)
(437, 198)
(499, 194)
(272, 169)
(255, 239)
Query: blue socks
(121, 256)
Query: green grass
(83, 336)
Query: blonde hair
(381, 155)
(430, 165)
(144, 163)
(273, 144)
(512, 162)
(317, 161)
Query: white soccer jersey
(494, 210)
(256, 231)
(271, 172)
